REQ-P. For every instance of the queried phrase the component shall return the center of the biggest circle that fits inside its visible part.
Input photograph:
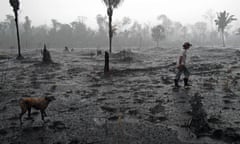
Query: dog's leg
(42, 114)
(45, 114)
(21, 114)
(29, 112)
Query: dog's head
(50, 98)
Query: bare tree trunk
(18, 36)
(140, 42)
(223, 38)
(110, 34)
(106, 66)
(211, 32)
(158, 43)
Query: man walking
(181, 66)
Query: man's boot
(176, 83)
(186, 82)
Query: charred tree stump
(199, 123)
(99, 52)
(106, 66)
(46, 55)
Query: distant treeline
(127, 34)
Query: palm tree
(15, 5)
(222, 21)
(27, 30)
(111, 4)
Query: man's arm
(180, 61)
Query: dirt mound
(237, 52)
(3, 57)
(128, 56)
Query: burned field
(135, 103)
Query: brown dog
(41, 104)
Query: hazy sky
(144, 11)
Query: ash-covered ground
(135, 104)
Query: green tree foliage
(158, 34)
(102, 22)
(222, 21)
(27, 31)
(132, 34)
(77, 34)
(200, 29)
(27, 25)
(111, 4)
(166, 23)
(101, 34)
(10, 22)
